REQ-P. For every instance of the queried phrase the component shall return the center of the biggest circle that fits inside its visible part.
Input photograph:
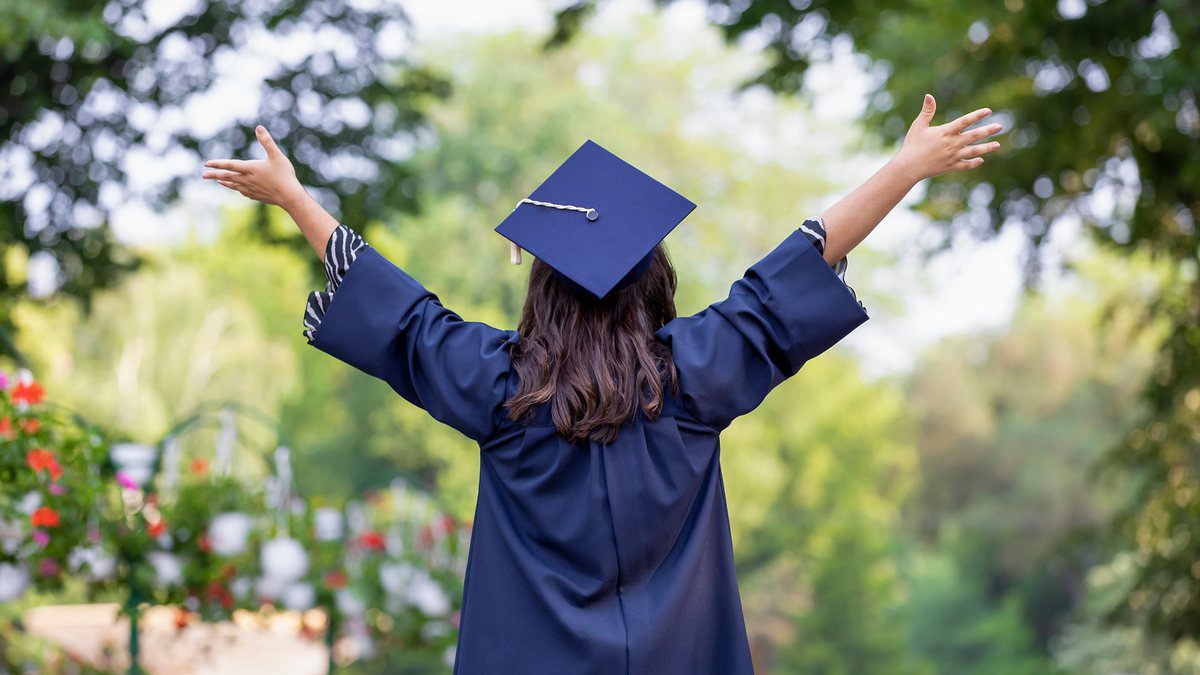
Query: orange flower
(199, 467)
(6, 427)
(28, 393)
(44, 516)
(31, 425)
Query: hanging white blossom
(241, 587)
(427, 595)
(30, 502)
(98, 563)
(167, 567)
(270, 587)
(348, 603)
(12, 533)
(327, 524)
(284, 558)
(229, 533)
(14, 579)
(395, 576)
(299, 596)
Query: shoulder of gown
(788, 308)
(383, 322)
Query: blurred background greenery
(1013, 495)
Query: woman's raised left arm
(927, 151)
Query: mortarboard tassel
(514, 251)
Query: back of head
(596, 362)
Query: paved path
(254, 644)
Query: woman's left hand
(930, 151)
(270, 181)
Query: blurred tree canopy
(89, 88)
(1100, 103)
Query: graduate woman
(601, 539)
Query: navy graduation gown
(597, 558)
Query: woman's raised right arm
(273, 181)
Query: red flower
(39, 459)
(44, 516)
(372, 540)
(28, 393)
(31, 425)
(335, 579)
(157, 528)
(6, 427)
(222, 594)
(425, 538)
(448, 523)
(204, 543)
(199, 467)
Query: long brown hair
(595, 361)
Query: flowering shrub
(388, 569)
(54, 496)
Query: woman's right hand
(933, 150)
(270, 181)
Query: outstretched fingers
(982, 132)
(221, 174)
(239, 165)
(976, 150)
(959, 125)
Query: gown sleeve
(386, 324)
(789, 307)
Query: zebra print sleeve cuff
(814, 230)
(341, 250)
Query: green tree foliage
(1008, 516)
(952, 623)
(87, 86)
(1100, 99)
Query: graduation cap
(595, 221)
